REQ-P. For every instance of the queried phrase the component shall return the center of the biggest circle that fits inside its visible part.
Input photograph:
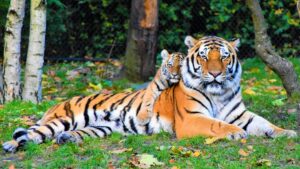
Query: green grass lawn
(262, 91)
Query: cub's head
(171, 64)
(211, 64)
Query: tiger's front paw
(10, 146)
(241, 134)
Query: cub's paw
(10, 146)
(143, 118)
(66, 136)
(237, 135)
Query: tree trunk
(281, 66)
(35, 56)
(140, 57)
(298, 7)
(298, 118)
(12, 50)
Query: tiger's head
(211, 64)
(171, 64)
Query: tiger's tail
(77, 136)
(36, 133)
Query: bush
(93, 28)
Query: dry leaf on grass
(243, 153)
(249, 91)
(196, 154)
(122, 150)
(145, 161)
(211, 140)
(110, 165)
(262, 162)
(243, 141)
(12, 166)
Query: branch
(281, 66)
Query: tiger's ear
(190, 41)
(164, 54)
(235, 43)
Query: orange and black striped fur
(167, 75)
(207, 101)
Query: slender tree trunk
(298, 7)
(12, 50)
(140, 57)
(35, 56)
(281, 66)
(298, 118)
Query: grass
(262, 93)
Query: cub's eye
(201, 53)
(169, 65)
(226, 53)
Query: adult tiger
(207, 101)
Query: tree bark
(140, 57)
(298, 118)
(298, 7)
(281, 66)
(12, 50)
(35, 56)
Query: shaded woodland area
(88, 30)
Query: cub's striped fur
(207, 101)
(167, 75)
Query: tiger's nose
(215, 73)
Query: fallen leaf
(171, 161)
(211, 140)
(12, 166)
(291, 161)
(243, 153)
(243, 141)
(128, 90)
(254, 70)
(262, 162)
(272, 80)
(196, 154)
(249, 91)
(148, 160)
(275, 88)
(122, 150)
(250, 148)
(175, 167)
(110, 165)
(95, 87)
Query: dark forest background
(98, 29)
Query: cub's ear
(235, 43)
(190, 41)
(164, 54)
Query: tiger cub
(168, 74)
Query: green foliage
(91, 27)
(3, 11)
